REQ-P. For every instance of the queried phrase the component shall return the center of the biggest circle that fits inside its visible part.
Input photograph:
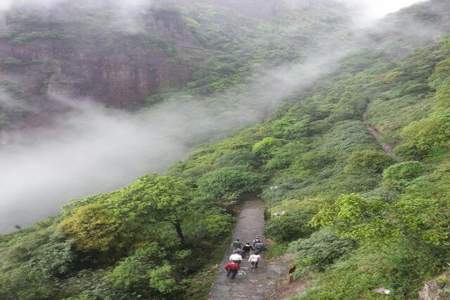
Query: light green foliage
(94, 227)
(355, 217)
(430, 134)
(400, 175)
(424, 208)
(122, 216)
(397, 266)
(265, 148)
(162, 279)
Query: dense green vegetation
(356, 218)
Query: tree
(94, 227)
(161, 198)
(127, 214)
(227, 184)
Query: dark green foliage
(397, 266)
(368, 161)
(320, 251)
(227, 185)
(401, 174)
(289, 227)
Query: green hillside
(355, 172)
(359, 218)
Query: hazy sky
(373, 8)
(380, 8)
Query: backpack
(260, 246)
(237, 244)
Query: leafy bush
(400, 175)
(227, 184)
(289, 227)
(290, 219)
(265, 148)
(145, 273)
(371, 161)
(398, 266)
(428, 135)
(423, 209)
(319, 251)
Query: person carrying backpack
(255, 241)
(232, 269)
(237, 244)
(246, 249)
(236, 258)
(254, 259)
(259, 247)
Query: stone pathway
(254, 285)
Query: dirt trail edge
(387, 148)
(259, 284)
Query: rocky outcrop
(438, 289)
(119, 68)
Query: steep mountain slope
(356, 219)
(122, 55)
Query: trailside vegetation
(357, 216)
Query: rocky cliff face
(122, 55)
(118, 68)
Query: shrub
(430, 134)
(371, 161)
(399, 266)
(399, 175)
(289, 227)
(320, 250)
(265, 148)
(227, 184)
(289, 220)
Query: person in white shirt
(254, 259)
(236, 257)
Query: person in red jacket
(232, 269)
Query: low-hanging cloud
(95, 149)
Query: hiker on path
(236, 257)
(237, 244)
(246, 249)
(259, 247)
(254, 259)
(256, 240)
(232, 269)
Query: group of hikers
(241, 251)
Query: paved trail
(255, 285)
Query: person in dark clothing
(232, 269)
(259, 247)
(246, 249)
(237, 244)
(256, 240)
